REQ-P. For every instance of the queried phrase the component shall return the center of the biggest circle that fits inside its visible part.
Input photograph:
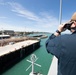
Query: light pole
(60, 14)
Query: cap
(73, 16)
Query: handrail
(53, 67)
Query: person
(64, 47)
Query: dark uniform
(64, 48)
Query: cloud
(21, 11)
(44, 21)
(2, 2)
(3, 17)
(5, 26)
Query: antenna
(60, 15)
(32, 60)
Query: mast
(60, 15)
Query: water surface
(44, 59)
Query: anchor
(32, 60)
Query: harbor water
(44, 59)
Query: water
(44, 59)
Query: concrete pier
(11, 54)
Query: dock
(11, 48)
(11, 54)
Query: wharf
(7, 41)
(11, 54)
(11, 48)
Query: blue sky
(34, 15)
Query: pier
(11, 54)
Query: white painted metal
(32, 60)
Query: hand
(61, 27)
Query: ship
(49, 63)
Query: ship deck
(53, 67)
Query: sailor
(64, 47)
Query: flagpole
(60, 14)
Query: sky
(34, 15)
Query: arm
(53, 44)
